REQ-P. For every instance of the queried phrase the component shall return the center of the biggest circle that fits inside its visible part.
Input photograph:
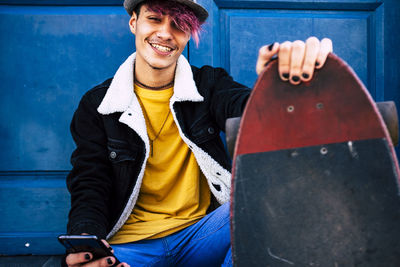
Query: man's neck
(153, 77)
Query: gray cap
(198, 10)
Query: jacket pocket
(203, 130)
(120, 152)
(125, 161)
(125, 165)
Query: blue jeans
(205, 243)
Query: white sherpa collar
(120, 96)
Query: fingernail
(271, 46)
(305, 75)
(109, 261)
(87, 257)
(295, 78)
(285, 75)
(317, 63)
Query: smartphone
(86, 243)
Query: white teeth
(161, 48)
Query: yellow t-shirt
(174, 193)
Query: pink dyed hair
(182, 16)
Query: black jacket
(112, 144)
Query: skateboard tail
(317, 205)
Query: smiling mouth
(161, 48)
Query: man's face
(159, 43)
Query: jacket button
(211, 130)
(113, 154)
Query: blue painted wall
(53, 51)
(50, 56)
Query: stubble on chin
(159, 68)
(156, 68)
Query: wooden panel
(356, 28)
(34, 208)
(51, 57)
(392, 55)
(44, 261)
(350, 32)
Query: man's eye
(154, 19)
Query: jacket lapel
(184, 87)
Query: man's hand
(297, 60)
(83, 258)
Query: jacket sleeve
(89, 181)
(228, 98)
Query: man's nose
(165, 30)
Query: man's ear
(132, 23)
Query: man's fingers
(325, 49)
(83, 258)
(311, 53)
(76, 259)
(107, 245)
(285, 50)
(264, 56)
(103, 262)
(296, 61)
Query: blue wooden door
(51, 52)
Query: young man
(150, 169)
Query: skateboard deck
(315, 175)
